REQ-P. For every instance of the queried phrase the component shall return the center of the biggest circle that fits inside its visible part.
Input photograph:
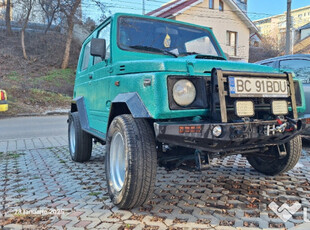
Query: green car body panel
(127, 71)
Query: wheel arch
(128, 103)
(78, 105)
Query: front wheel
(272, 164)
(130, 161)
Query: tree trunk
(70, 20)
(23, 44)
(65, 60)
(23, 31)
(288, 28)
(48, 25)
(8, 18)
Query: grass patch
(62, 161)
(38, 96)
(57, 77)
(21, 190)
(10, 155)
(94, 193)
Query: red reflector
(2, 95)
(190, 129)
(308, 121)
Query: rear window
(300, 67)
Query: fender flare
(133, 103)
(78, 104)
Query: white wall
(220, 22)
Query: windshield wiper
(202, 56)
(188, 53)
(153, 49)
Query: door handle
(90, 77)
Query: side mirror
(98, 47)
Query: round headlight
(184, 92)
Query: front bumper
(235, 136)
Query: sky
(257, 9)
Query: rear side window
(300, 67)
(86, 55)
(268, 64)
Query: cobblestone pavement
(230, 194)
(32, 143)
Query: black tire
(80, 150)
(140, 160)
(275, 166)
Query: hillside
(37, 84)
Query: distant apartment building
(275, 27)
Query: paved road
(31, 127)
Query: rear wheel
(130, 161)
(80, 142)
(273, 164)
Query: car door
(100, 105)
(301, 68)
(82, 81)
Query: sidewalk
(32, 143)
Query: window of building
(86, 56)
(299, 15)
(221, 5)
(211, 4)
(232, 41)
(105, 34)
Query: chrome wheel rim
(72, 138)
(117, 161)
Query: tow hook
(281, 127)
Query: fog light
(217, 131)
(244, 108)
(279, 107)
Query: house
(304, 31)
(227, 20)
(275, 27)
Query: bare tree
(69, 8)
(8, 18)
(288, 27)
(104, 10)
(50, 8)
(27, 6)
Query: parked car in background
(300, 64)
(3, 101)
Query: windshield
(155, 36)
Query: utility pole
(288, 28)
(143, 7)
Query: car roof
(293, 56)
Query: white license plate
(257, 87)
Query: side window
(86, 56)
(300, 67)
(268, 64)
(105, 34)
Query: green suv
(161, 91)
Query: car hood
(185, 64)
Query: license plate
(257, 87)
